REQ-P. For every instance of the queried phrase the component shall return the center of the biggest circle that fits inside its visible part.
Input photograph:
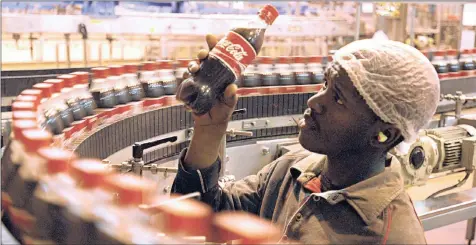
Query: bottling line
(126, 120)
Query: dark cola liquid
(208, 85)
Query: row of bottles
(450, 64)
(116, 85)
(284, 71)
(49, 196)
(59, 102)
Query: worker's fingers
(193, 67)
(230, 97)
(202, 54)
(211, 41)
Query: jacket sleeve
(245, 194)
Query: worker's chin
(311, 142)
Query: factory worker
(339, 188)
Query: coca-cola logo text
(234, 49)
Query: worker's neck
(346, 169)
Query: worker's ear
(384, 136)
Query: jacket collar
(369, 198)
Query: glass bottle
(226, 62)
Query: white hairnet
(396, 80)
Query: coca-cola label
(235, 52)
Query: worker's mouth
(308, 121)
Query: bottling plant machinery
(146, 142)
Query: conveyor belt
(107, 139)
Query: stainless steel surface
(460, 100)
(184, 135)
(447, 209)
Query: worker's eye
(338, 99)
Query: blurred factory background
(69, 34)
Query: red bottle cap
(466, 51)
(315, 59)
(249, 229)
(184, 62)
(34, 92)
(89, 173)
(20, 125)
(24, 115)
(473, 51)
(149, 66)
(299, 59)
(57, 160)
(131, 68)
(83, 77)
(100, 72)
(165, 64)
(186, 217)
(269, 14)
(35, 139)
(69, 80)
(266, 60)
(29, 98)
(440, 53)
(330, 58)
(24, 106)
(58, 84)
(452, 52)
(116, 70)
(284, 60)
(131, 189)
(46, 88)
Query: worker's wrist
(210, 132)
(204, 146)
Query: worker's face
(338, 119)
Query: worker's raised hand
(221, 112)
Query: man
(377, 94)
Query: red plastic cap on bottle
(24, 115)
(131, 68)
(284, 60)
(473, 51)
(69, 80)
(440, 53)
(131, 189)
(269, 14)
(20, 125)
(466, 51)
(452, 52)
(247, 228)
(89, 173)
(57, 160)
(24, 106)
(149, 66)
(184, 62)
(34, 139)
(33, 92)
(83, 76)
(100, 72)
(299, 59)
(46, 88)
(29, 98)
(116, 70)
(165, 64)
(186, 217)
(58, 84)
(315, 59)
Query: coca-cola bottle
(226, 62)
